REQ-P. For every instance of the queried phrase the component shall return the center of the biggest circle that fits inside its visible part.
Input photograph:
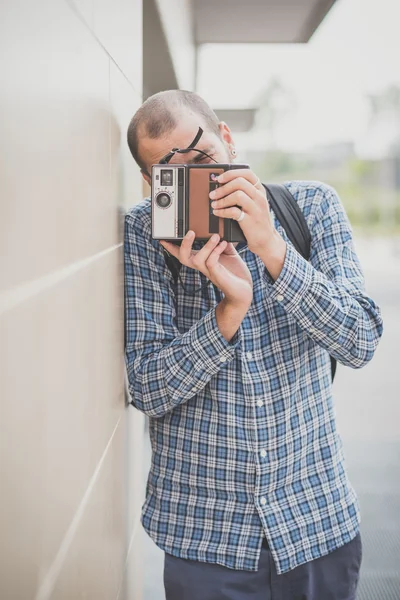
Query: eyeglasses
(191, 148)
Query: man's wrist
(235, 306)
(229, 315)
(273, 255)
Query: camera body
(180, 202)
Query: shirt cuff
(293, 282)
(210, 346)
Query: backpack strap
(293, 222)
(290, 217)
(173, 264)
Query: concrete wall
(70, 452)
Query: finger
(237, 184)
(229, 213)
(237, 198)
(245, 173)
(231, 250)
(213, 259)
(186, 247)
(201, 256)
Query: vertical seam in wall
(109, 120)
(47, 586)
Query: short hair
(158, 116)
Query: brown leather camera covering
(199, 202)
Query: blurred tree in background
(389, 100)
(275, 102)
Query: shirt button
(249, 355)
(222, 359)
(263, 453)
(260, 402)
(279, 297)
(263, 501)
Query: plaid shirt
(243, 434)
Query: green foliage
(371, 209)
(276, 165)
(371, 201)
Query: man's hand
(241, 187)
(220, 263)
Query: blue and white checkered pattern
(243, 434)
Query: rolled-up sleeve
(165, 367)
(326, 295)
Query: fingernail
(212, 194)
(214, 238)
(214, 204)
(190, 234)
(220, 178)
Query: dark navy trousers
(331, 577)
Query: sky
(355, 51)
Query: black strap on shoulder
(293, 222)
(173, 264)
(290, 217)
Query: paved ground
(368, 414)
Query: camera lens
(163, 200)
(166, 177)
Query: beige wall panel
(93, 567)
(125, 174)
(70, 496)
(61, 376)
(133, 573)
(135, 568)
(118, 25)
(57, 205)
(127, 179)
(85, 8)
(135, 474)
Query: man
(247, 492)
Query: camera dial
(163, 200)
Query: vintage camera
(180, 202)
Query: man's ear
(226, 133)
(146, 177)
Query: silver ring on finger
(241, 216)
